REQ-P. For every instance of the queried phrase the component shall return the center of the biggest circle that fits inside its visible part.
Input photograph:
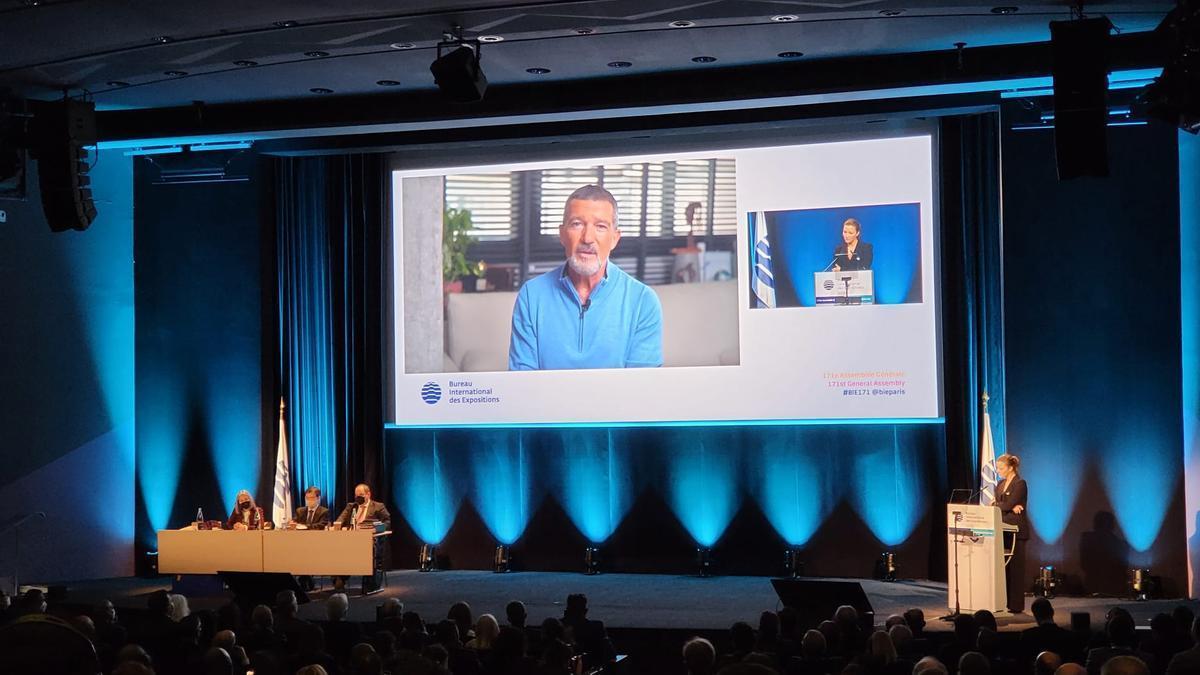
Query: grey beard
(582, 268)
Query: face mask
(360, 500)
(313, 504)
(245, 506)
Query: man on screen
(587, 312)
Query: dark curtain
(972, 290)
(330, 224)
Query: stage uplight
(1142, 584)
(501, 563)
(1047, 581)
(704, 561)
(886, 566)
(428, 559)
(793, 566)
(591, 560)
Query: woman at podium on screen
(852, 254)
(1012, 496)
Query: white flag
(987, 462)
(762, 280)
(281, 506)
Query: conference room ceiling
(160, 53)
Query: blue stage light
(703, 479)
(426, 498)
(594, 477)
(889, 488)
(501, 485)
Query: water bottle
(200, 517)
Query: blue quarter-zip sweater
(619, 327)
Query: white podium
(847, 287)
(975, 546)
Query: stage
(631, 601)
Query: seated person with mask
(247, 515)
(364, 510)
(311, 516)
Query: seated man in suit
(312, 515)
(363, 510)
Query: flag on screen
(763, 281)
(281, 506)
(987, 461)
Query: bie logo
(431, 393)
(828, 285)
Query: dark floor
(620, 600)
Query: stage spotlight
(428, 559)
(591, 560)
(704, 561)
(501, 562)
(1142, 584)
(793, 566)
(457, 71)
(885, 567)
(1047, 581)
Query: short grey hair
(337, 606)
(699, 652)
(591, 193)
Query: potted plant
(456, 223)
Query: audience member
(699, 656)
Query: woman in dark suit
(852, 254)
(247, 515)
(1012, 497)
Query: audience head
(988, 641)
(553, 629)
(699, 656)
(1120, 628)
(286, 603)
(412, 623)
(973, 663)
(577, 606)
(929, 666)
(789, 621)
(486, 630)
(894, 620)
(132, 668)
(133, 653)
(965, 630)
(985, 619)
(1071, 669)
(438, 654)
(880, 648)
(768, 626)
(83, 624)
(829, 630)
(33, 602)
(225, 639)
(447, 634)
(813, 644)
(312, 639)
(515, 613)
(159, 604)
(460, 613)
(901, 635)
(313, 669)
(1043, 611)
(1124, 665)
(104, 613)
(1162, 626)
(509, 648)
(1183, 616)
(391, 608)
(217, 662)
(1196, 629)
(179, 607)
(384, 643)
(337, 607)
(360, 650)
(742, 635)
(261, 617)
(366, 664)
(845, 616)
(1047, 663)
(915, 618)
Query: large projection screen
(818, 302)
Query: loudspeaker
(63, 129)
(1080, 70)
(259, 588)
(817, 599)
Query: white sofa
(700, 327)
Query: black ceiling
(121, 51)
